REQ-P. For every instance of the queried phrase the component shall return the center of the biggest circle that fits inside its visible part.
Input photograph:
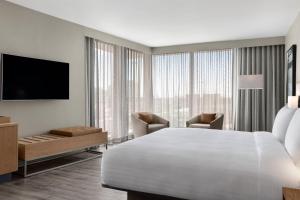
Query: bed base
(134, 195)
(146, 196)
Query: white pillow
(292, 139)
(281, 122)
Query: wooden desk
(8, 148)
(291, 194)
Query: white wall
(293, 37)
(219, 45)
(26, 32)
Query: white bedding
(202, 164)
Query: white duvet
(202, 164)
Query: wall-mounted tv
(25, 78)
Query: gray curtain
(90, 80)
(256, 109)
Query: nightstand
(290, 193)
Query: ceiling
(170, 22)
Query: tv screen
(29, 79)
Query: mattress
(202, 164)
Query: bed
(182, 163)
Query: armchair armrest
(194, 120)
(160, 120)
(139, 127)
(217, 123)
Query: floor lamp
(251, 81)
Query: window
(171, 80)
(187, 84)
(212, 83)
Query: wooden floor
(76, 182)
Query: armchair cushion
(206, 118)
(156, 127)
(199, 125)
(146, 117)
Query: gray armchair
(196, 122)
(144, 123)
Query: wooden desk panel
(8, 148)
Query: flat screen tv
(25, 78)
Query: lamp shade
(251, 81)
(293, 101)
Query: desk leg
(25, 168)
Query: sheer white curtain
(212, 87)
(135, 81)
(101, 86)
(115, 87)
(119, 131)
(187, 84)
(100, 62)
(171, 81)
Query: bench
(59, 142)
